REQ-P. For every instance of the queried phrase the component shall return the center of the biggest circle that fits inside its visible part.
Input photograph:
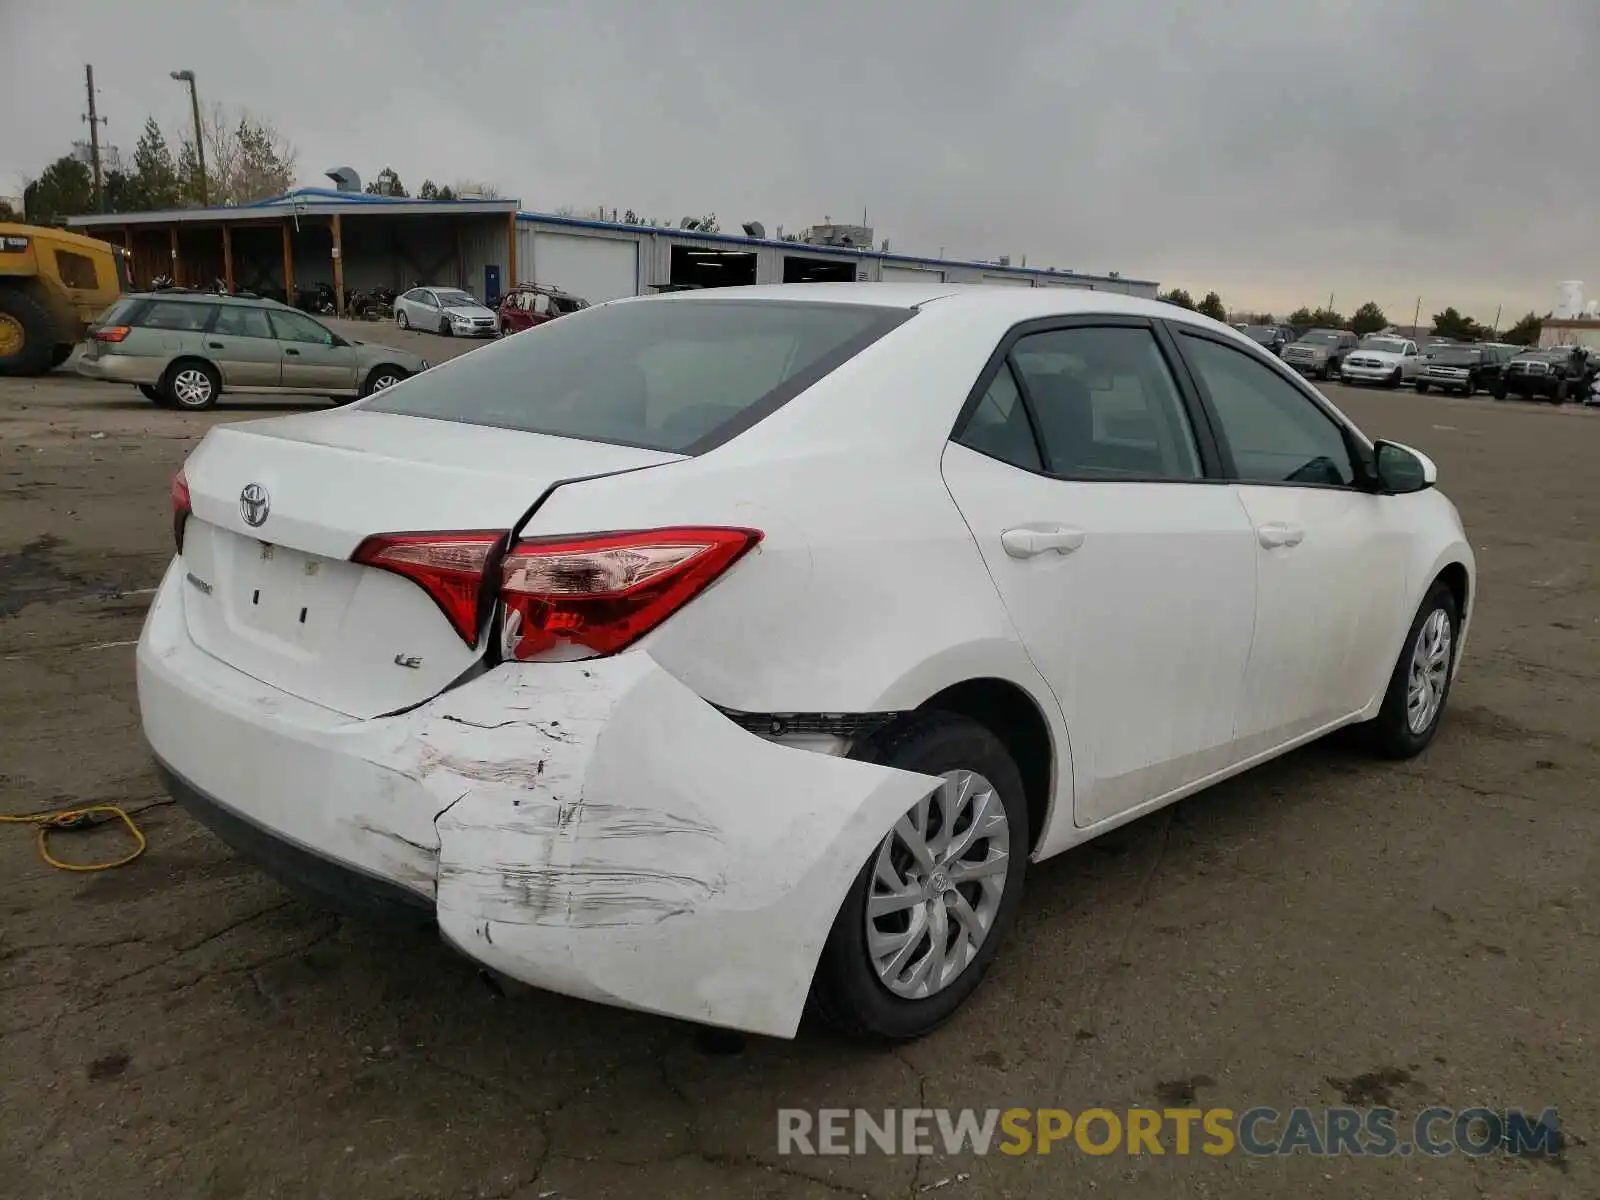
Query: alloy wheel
(1429, 671)
(191, 388)
(937, 883)
(384, 381)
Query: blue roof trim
(796, 247)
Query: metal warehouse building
(359, 242)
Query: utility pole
(1495, 329)
(1416, 315)
(95, 121)
(199, 136)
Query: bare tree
(246, 158)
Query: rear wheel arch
(1016, 719)
(191, 360)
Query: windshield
(681, 375)
(1322, 337)
(1261, 333)
(1386, 345)
(455, 299)
(1457, 356)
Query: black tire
(1498, 391)
(846, 991)
(1328, 370)
(1561, 393)
(444, 327)
(374, 381)
(402, 320)
(152, 393)
(20, 310)
(1389, 734)
(1422, 387)
(173, 380)
(60, 354)
(1394, 380)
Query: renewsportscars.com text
(1369, 1132)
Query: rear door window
(665, 374)
(237, 321)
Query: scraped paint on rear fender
(618, 838)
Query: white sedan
(713, 652)
(445, 310)
(1390, 361)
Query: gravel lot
(1321, 931)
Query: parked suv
(1464, 369)
(183, 350)
(1559, 374)
(530, 304)
(1320, 352)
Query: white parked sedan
(449, 311)
(712, 652)
(1390, 361)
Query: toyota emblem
(255, 504)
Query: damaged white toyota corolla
(715, 653)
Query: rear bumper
(593, 828)
(340, 886)
(120, 368)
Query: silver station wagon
(183, 350)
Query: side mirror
(1402, 470)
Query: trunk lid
(280, 505)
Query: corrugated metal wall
(484, 243)
(655, 259)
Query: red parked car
(530, 304)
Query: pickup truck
(1464, 369)
(1319, 352)
(1558, 374)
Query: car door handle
(1026, 541)
(291, 350)
(1275, 534)
(215, 346)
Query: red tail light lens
(181, 508)
(112, 333)
(578, 597)
(448, 566)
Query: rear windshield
(680, 375)
(118, 313)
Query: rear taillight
(181, 508)
(112, 333)
(448, 566)
(577, 597)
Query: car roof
(207, 298)
(1019, 302)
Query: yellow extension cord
(82, 818)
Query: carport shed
(292, 243)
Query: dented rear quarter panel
(646, 851)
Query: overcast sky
(1277, 150)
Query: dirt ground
(1324, 930)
